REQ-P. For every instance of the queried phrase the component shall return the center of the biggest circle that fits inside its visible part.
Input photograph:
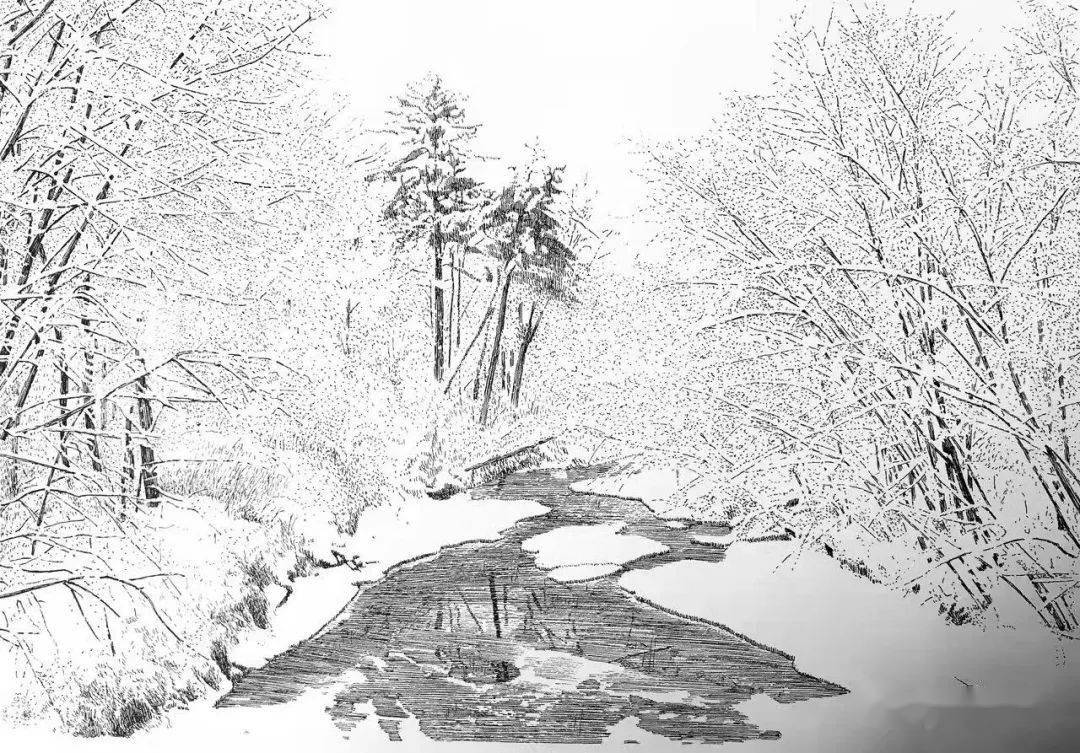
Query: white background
(583, 75)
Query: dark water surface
(478, 643)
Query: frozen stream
(496, 641)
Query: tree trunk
(13, 470)
(527, 335)
(457, 318)
(461, 360)
(24, 391)
(129, 470)
(450, 319)
(479, 370)
(519, 372)
(494, 605)
(348, 325)
(88, 412)
(438, 325)
(36, 248)
(147, 467)
(65, 390)
(493, 362)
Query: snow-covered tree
(133, 147)
(892, 237)
(523, 231)
(435, 201)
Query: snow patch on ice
(589, 545)
(392, 534)
(659, 487)
(579, 573)
(726, 539)
(559, 671)
(649, 485)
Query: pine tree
(526, 235)
(435, 200)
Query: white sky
(580, 75)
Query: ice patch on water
(578, 573)
(589, 545)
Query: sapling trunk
(504, 371)
(527, 335)
(496, 343)
(457, 319)
(450, 319)
(461, 360)
(479, 370)
(519, 369)
(65, 390)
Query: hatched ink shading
(480, 644)
(720, 386)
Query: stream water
(478, 643)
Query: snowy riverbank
(917, 682)
(387, 536)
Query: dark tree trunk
(348, 326)
(496, 343)
(450, 318)
(527, 335)
(36, 248)
(495, 605)
(129, 469)
(519, 372)
(147, 466)
(479, 370)
(438, 325)
(4, 254)
(457, 318)
(24, 391)
(65, 390)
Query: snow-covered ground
(916, 681)
(386, 536)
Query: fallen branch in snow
(508, 455)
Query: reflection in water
(478, 643)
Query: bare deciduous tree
(131, 150)
(894, 235)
